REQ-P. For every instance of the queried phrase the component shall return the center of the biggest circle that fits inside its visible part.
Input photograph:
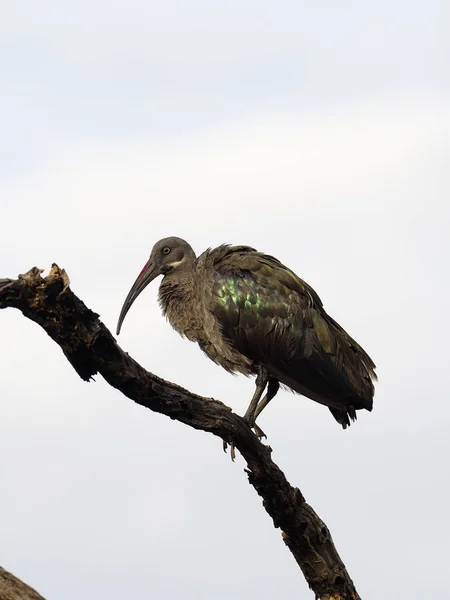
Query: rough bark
(12, 588)
(90, 348)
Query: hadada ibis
(250, 314)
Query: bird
(251, 314)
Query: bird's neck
(177, 299)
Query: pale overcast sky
(315, 131)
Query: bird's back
(275, 319)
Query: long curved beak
(148, 274)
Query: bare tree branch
(12, 588)
(90, 348)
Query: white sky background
(318, 132)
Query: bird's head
(168, 255)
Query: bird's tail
(344, 417)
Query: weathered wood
(90, 348)
(12, 588)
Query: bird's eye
(166, 250)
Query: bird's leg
(261, 382)
(249, 417)
(262, 379)
(272, 390)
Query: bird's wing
(276, 319)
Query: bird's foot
(232, 449)
(259, 432)
(251, 423)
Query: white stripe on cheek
(176, 263)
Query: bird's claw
(232, 449)
(259, 432)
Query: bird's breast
(187, 310)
